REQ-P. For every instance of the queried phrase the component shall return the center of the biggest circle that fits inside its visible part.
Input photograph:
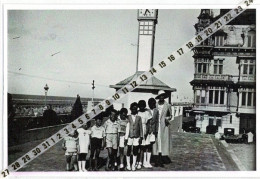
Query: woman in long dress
(163, 143)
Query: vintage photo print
(129, 91)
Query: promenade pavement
(190, 152)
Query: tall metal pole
(93, 87)
(46, 88)
(45, 98)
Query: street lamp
(46, 88)
(93, 87)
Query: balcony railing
(211, 107)
(213, 77)
(247, 78)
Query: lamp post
(46, 88)
(93, 87)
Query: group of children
(137, 131)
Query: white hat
(161, 93)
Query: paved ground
(246, 154)
(190, 152)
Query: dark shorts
(82, 156)
(96, 143)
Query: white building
(147, 19)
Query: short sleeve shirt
(123, 124)
(71, 144)
(111, 127)
(84, 140)
(98, 132)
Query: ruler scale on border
(188, 46)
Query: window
(245, 69)
(251, 40)
(216, 95)
(199, 67)
(222, 93)
(218, 123)
(211, 121)
(251, 69)
(248, 68)
(254, 99)
(202, 66)
(218, 66)
(211, 96)
(200, 96)
(248, 99)
(146, 28)
(243, 98)
(202, 99)
(219, 40)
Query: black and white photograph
(198, 114)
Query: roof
(151, 84)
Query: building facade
(224, 83)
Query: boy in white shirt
(122, 132)
(97, 142)
(112, 127)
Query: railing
(211, 107)
(248, 78)
(213, 77)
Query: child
(134, 134)
(84, 141)
(97, 142)
(151, 130)
(111, 128)
(145, 115)
(70, 145)
(122, 131)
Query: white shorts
(146, 141)
(122, 141)
(152, 137)
(133, 141)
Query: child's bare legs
(92, 152)
(121, 152)
(68, 160)
(84, 163)
(114, 155)
(140, 156)
(148, 155)
(74, 161)
(109, 157)
(135, 153)
(96, 160)
(128, 153)
(79, 164)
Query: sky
(98, 45)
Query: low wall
(33, 134)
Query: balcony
(247, 78)
(211, 107)
(247, 109)
(213, 77)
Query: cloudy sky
(95, 45)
